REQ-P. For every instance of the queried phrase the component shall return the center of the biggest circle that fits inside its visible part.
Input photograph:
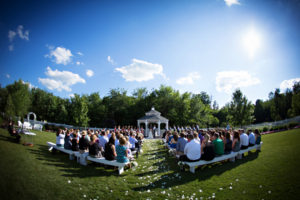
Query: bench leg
(121, 170)
(83, 160)
(192, 169)
(239, 156)
(258, 148)
(71, 156)
(50, 149)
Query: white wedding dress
(150, 134)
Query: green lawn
(35, 173)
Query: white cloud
(140, 70)
(89, 73)
(232, 2)
(23, 34)
(228, 81)
(11, 47)
(288, 84)
(71, 95)
(79, 53)
(189, 79)
(60, 80)
(109, 59)
(79, 63)
(11, 35)
(7, 76)
(61, 55)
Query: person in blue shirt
(257, 136)
(251, 138)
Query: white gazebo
(153, 116)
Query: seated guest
(103, 140)
(60, 138)
(83, 143)
(236, 141)
(174, 141)
(196, 136)
(251, 137)
(132, 140)
(244, 140)
(228, 143)
(94, 149)
(207, 149)
(68, 143)
(257, 136)
(138, 145)
(218, 144)
(110, 150)
(192, 150)
(75, 141)
(122, 151)
(12, 131)
(181, 144)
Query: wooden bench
(109, 162)
(230, 156)
(62, 149)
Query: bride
(150, 134)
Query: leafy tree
(20, 98)
(79, 110)
(295, 110)
(240, 109)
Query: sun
(252, 42)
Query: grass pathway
(35, 173)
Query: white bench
(62, 149)
(109, 162)
(230, 156)
(241, 152)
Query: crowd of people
(192, 146)
(118, 144)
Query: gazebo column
(158, 123)
(167, 125)
(138, 124)
(146, 128)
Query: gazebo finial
(152, 108)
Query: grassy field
(36, 173)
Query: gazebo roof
(153, 115)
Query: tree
(79, 110)
(96, 111)
(295, 110)
(20, 98)
(10, 108)
(240, 109)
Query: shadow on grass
(71, 168)
(202, 173)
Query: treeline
(119, 108)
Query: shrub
(293, 124)
(265, 129)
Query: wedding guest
(244, 139)
(94, 149)
(110, 150)
(75, 141)
(181, 144)
(60, 138)
(83, 143)
(236, 141)
(218, 144)
(122, 151)
(228, 143)
(257, 136)
(68, 143)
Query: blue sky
(216, 46)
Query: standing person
(244, 139)
(122, 151)
(60, 138)
(218, 145)
(12, 131)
